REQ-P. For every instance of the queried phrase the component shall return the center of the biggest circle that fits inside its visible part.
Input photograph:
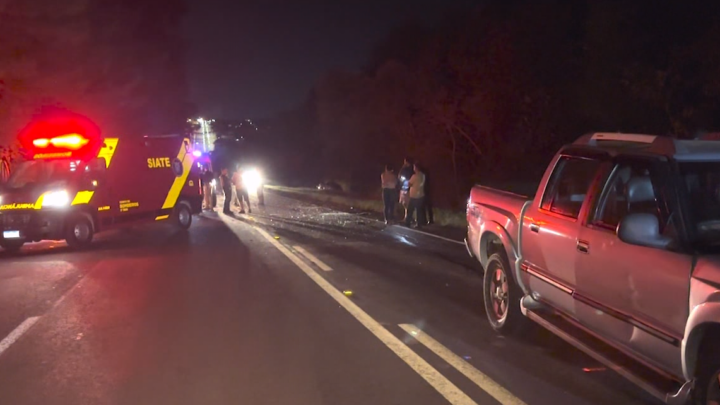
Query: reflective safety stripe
(108, 150)
(39, 202)
(82, 197)
(187, 160)
(161, 217)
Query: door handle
(534, 228)
(583, 247)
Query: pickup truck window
(635, 186)
(568, 185)
(702, 181)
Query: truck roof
(679, 149)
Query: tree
(119, 62)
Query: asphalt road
(293, 304)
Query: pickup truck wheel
(79, 232)
(707, 383)
(502, 296)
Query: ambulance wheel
(79, 232)
(12, 247)
(183, 215)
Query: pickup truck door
(633, 295)
(551, 228)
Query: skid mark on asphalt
(476, 376)
(312, 258)
(17, 333)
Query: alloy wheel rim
(499, 294)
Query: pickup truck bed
(493, 208)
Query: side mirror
(642, 230)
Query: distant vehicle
(329, 186)
(73, 183)
(618, 253)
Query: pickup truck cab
(618, 253)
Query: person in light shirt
(389, 182)
(416, 193)
(405, 173)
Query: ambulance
(74, 183)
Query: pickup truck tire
(502, 296)
(707, 379)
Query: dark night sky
(256, 58)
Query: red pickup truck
(618, 253)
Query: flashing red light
(60, 136)
(41, 143)
(69, 141)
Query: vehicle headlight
(252, 179)
(55, 199)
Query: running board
(661, 387)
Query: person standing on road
(417, 196)
(207, 178)
(389, 182)
(406, 172)
(428, 199)
(227, 190)
(236, 180)
(242, 192)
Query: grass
(443, 217)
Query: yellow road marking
(476, 376)
(440, 383)
(312, 258)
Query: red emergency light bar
(61, 136)
(69, 141)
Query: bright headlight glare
(56, 199)
(252, 179)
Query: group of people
(233, 187)
(409, 188)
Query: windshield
(702, 181)
(38, 172)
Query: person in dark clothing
(206, 179)
(226, 185)
(427, 201)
